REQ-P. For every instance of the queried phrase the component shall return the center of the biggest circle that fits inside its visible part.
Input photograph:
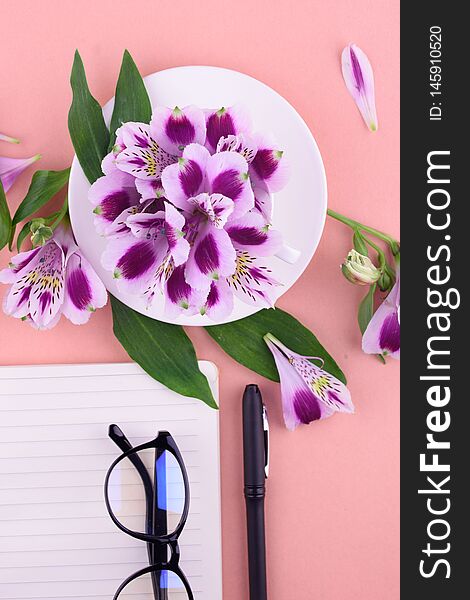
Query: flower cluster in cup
(185, 205)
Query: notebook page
(57, 540)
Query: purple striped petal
(144, 163)
(212, 257)
(19, 264)
(216, 207)
(178, 246)
(359, 79)
(175, 129)
(243, 144)
(382, 335)
(251, 233)
(111, 195)
(149, 189)
(219, 302)
(227, 174)
(180, 296)
(308, 392)
(84, 291)
(11, 168)
(263, 204)
(133, 261)
(221, 123)
(185, 179)
(134, 134)
(252, 282)
(269, 169)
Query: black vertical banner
(435, 269)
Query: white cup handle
(288, 254)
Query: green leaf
(360, 244)
(44, 186)
(164, 351)
(366, 309)
(88, 131)
(5, 219)
(243, 341)
(131, 101)
(23, 234)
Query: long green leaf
(164, 351)
(23, 234)
(131, 102)
(44, 186)
(5, 219)
(366, 309)
(88, 131)
(243, 341)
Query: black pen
(256, 464)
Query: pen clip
(266, 442)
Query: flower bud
(40, 233)
(359, 269)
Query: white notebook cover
(56, 538)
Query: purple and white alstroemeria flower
(11, 168)
(382, 335)
(51, 280)
(359, 79)
(309, 393)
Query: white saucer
(299, 209)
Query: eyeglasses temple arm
(121, 441)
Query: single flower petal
(149, 189)
(7, 138)
(269, 169)
(359, 79)
(134, 134)
(309, 393)
(185, 179)
(133, 261)
(108, 164)
(263, 203)
(18, 265)
(221, 123)
(382, 335)
(251, 233)
(180, 296)
(219, 301)
(216, 207)
(252, 282)
(175, 129)
(227, 174)
(144, 163)
(174, 223)
(241, 143)
(212, 257)
(84, 291)
(11, 168)
(111, 195)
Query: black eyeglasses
(154, 474)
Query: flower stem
(356, 225)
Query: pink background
(333, 504)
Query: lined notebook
(57, 540)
